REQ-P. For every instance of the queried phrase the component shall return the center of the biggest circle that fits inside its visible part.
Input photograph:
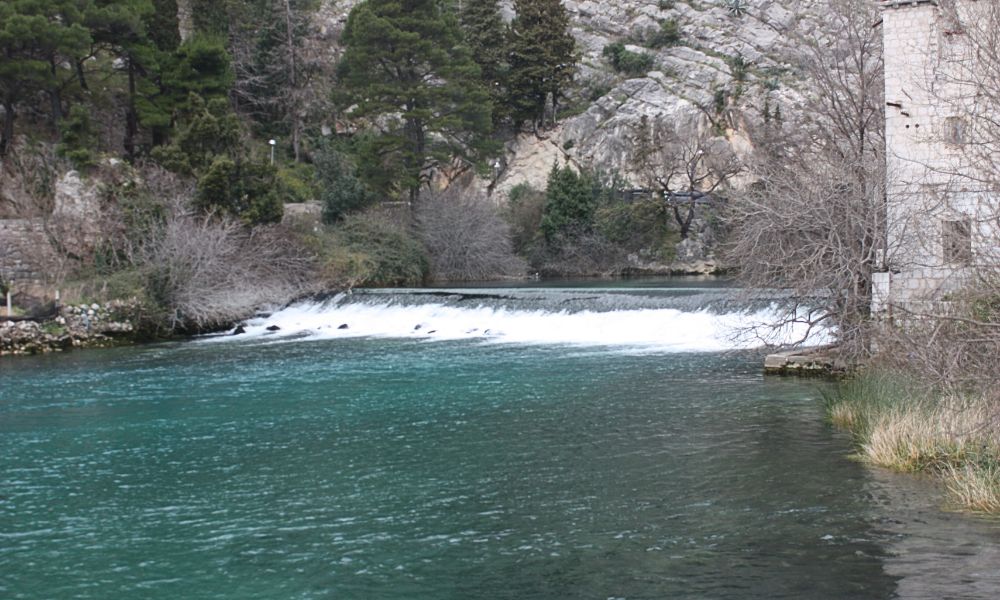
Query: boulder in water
(274, 328)
(240, 330)
(344, 326)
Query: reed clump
(901, 425)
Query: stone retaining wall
(25, 250)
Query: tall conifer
(36, 40)
(407, 71)
(542, 57)
(486, 37)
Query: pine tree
(120, 27)
(164, 28)
(486, 37)
(37, 40)
(570, 203)
(542, 58)
(406, 68)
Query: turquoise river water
(487, 443)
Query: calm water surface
(465, 468)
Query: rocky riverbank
(78, 326)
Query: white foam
(666, 330)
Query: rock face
(713, 81)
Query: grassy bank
(902, 425)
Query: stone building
(940, 217)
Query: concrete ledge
(804, 361)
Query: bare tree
(466, 237)
(208, 272)
(813, 223)
(684, 170)
(282, 69)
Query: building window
(954, 130)
(956, 240)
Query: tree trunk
(686, 220)
(81, 76)
(131, 119)
(55, 100)
(7, 136)
(292, 80)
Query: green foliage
(207, 130)
(739, 67)
(276, 72)
(570, 203)
(210, 17)
(78, 139)
(389, 254)
(297, 182)
(719, 100)
(485, 35)
(737, 8)
(640, 226)
(543, 57)
(669, 34)
(985, 309)
(525, 207)
(200, 66)
(163, 25)
(341, 192)
(36, 40)
(405, 65)
(241, 189)
(626, 61)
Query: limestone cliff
(731, 57)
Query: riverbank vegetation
(898, 423)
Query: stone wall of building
(926, 200)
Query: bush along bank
(899, 425)
(82, 326)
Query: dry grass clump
(928, 436)
(975, 486)
(899, 426)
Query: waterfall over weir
(663, 319)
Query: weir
(673, 319)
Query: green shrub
(625, 61)
(391, 255)
(297, 182)
(637, 226)
(525, 207)
(739, 67)
(245, 190)
(669, 34)
(569, 203)
(78, 138)
(341, 191)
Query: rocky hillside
(729, 59)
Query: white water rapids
(512, 320)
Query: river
(492, 443)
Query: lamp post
(272, 143)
